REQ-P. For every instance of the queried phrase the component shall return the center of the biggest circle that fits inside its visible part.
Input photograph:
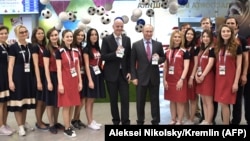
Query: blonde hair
(171, 44)
(17, 29)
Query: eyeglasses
(22, 32)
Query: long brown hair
(231, 45)
(49, 45)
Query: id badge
(96, 70)
(222, 70)
(73, 72)
(82, 70)
(199, 71)
(171, 70)
(154, 60)
(26, 67)
(120, 53)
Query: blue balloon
(140, 21)
(182, 2)
(70, 25)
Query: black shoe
(81, 124)
(75, 124)
(69, 132)
(198, 115)
(53, 129)
(59, 126)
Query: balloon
(107, 6)
(81, 26)
(63, 16)
(70, 25)
(44, 2)
(137, 12)
(133, 18)
(173, 7)
(140, 21)
(182, 2)
(86, 19)
(59, 25)
(125, 19)
(102, 2)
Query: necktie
(118, 40)
(148, 50)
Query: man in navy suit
(115, 52)
(146, 55)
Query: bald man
(146, 55)
(115, 52)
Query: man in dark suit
(115, 52)
(146, 55)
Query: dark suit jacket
(112, 63)
(141, 68)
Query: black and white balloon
(139, 27)
(150, 12)
(144, 2)
(100, 10)
(104, 34)
(91, 10)
(46, 13)
(105, 19)
(71, 16)
(165, 4)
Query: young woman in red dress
(228, 68)
(69, 80)
(205, 76)
(174, 74)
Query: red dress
(191, 92)
(206, 88)
(171, 93)
(71, 96)
(224, 83)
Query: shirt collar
(145, 41)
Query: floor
(101, 115)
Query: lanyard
(69, 60)
(223, 54)
(4, 49)
(202, 54)
(24, 59)
(40, 48)
(170, 56)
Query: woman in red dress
(228, 68)
(205, 76)
(190, 45)
(69, 80)
(174, 74)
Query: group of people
(52, 74)
(48, 76)
(217, 73)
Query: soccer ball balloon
(138, 28)
(100, 10)
(46, 13)
(71, 16)
(144, 2)
(91, 10)
(104, 34)
(105, 19)
(150, 12)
